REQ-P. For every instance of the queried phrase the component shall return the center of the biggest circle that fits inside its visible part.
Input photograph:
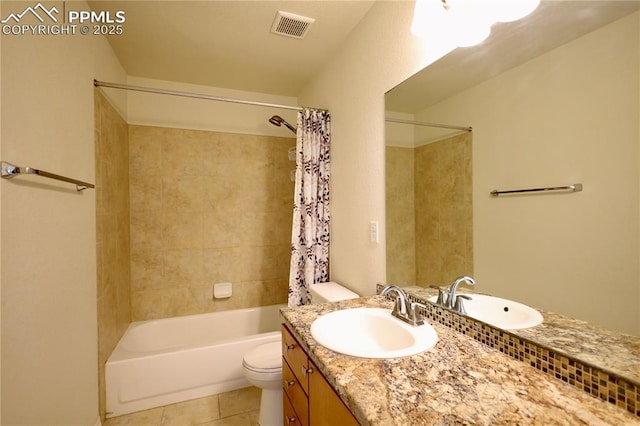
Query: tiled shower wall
(207, 207)
(429, 212)
(444, 213)
(112, 230)
(400, 222)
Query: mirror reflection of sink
(501, 313)
(371, 333)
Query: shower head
(276, 120)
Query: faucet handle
(399, 306)
(459, 306)
(414, 305)
(442, 295)
(415, 317)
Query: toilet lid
(266, 357)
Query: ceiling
(554, 23)
(229, 44)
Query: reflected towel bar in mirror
(9, 171)
(576, 187)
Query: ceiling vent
(291, 25)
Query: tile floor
(235, 408)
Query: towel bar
(10, 171)
(576, 187)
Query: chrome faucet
(404, 309)
(452, 303)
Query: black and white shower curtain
(310, 232)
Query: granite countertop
(459, 381)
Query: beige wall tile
(112, 231)
(208, 207)
(400, 218)
(223, 264)
(429, 228)
(444, 224)
(146, 228)
(182, 229)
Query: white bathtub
(161, 362)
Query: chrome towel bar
(576, 187)
(10, 171)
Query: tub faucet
(451, 300)
(404, 309)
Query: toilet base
(271, 407)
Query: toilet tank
(330, 292)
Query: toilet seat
(265, 358)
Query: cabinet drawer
(296, 358)
(295, 395)
(290, 418)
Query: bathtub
(164, 361)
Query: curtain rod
(424, 123)
(190, 95)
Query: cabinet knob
(290, 346)
(291, 420)
(306, 371)
(290, 383)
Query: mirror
(553, 100)
(429, 217)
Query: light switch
(373, 232)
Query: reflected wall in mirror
(429, 210)
(553, 100)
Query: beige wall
(112, 231)
(568, 116)
(198, 114)
(379, 54)
(208, 207)
(49, 330)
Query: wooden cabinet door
(325, 406)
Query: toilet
(262, 365)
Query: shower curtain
(310, 231)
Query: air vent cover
(291, 25)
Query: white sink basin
(371, 333)
(501, 313)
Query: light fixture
(512, 10)
(465, 22)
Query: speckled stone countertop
(616, 352)
(459, 381)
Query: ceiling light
(465, 22)
(512, 10)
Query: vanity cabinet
(308, 399)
